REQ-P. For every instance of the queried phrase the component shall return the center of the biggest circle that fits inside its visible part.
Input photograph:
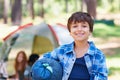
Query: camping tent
(34, 39)
(30, 38)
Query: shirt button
(72, 59)
(67, 73)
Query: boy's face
(80, 31)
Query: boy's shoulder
(66, 46)
(94, 48)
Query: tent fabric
(25, 40)
(29, 36)
(20, 27)
(41, 45)
(62, 33)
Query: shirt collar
(70, 48)
(91, 50)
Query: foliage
(56, 7)
(113, 70)
(0, 44)
(116, 55)
(108, 5)
(115, 67)
(59, 6)
(104, 30)
(1, 8)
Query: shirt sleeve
(53, 54)
(100, 71)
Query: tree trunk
(66, 4)
(91, 7)
(82, 5)
(16, 14)
(42, 8)
(6, 8)
(30, 8)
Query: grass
(0, 44)
(113, 64)
(106, 31)
(114, 68)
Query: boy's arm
(99, 67)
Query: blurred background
(106, 13)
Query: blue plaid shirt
(94, 59)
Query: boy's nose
(79, 28)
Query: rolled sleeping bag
(46, 69)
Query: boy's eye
(84, 26)
(74, 26)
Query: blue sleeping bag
(46, 69)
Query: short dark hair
(80, 16)
(33, 57)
